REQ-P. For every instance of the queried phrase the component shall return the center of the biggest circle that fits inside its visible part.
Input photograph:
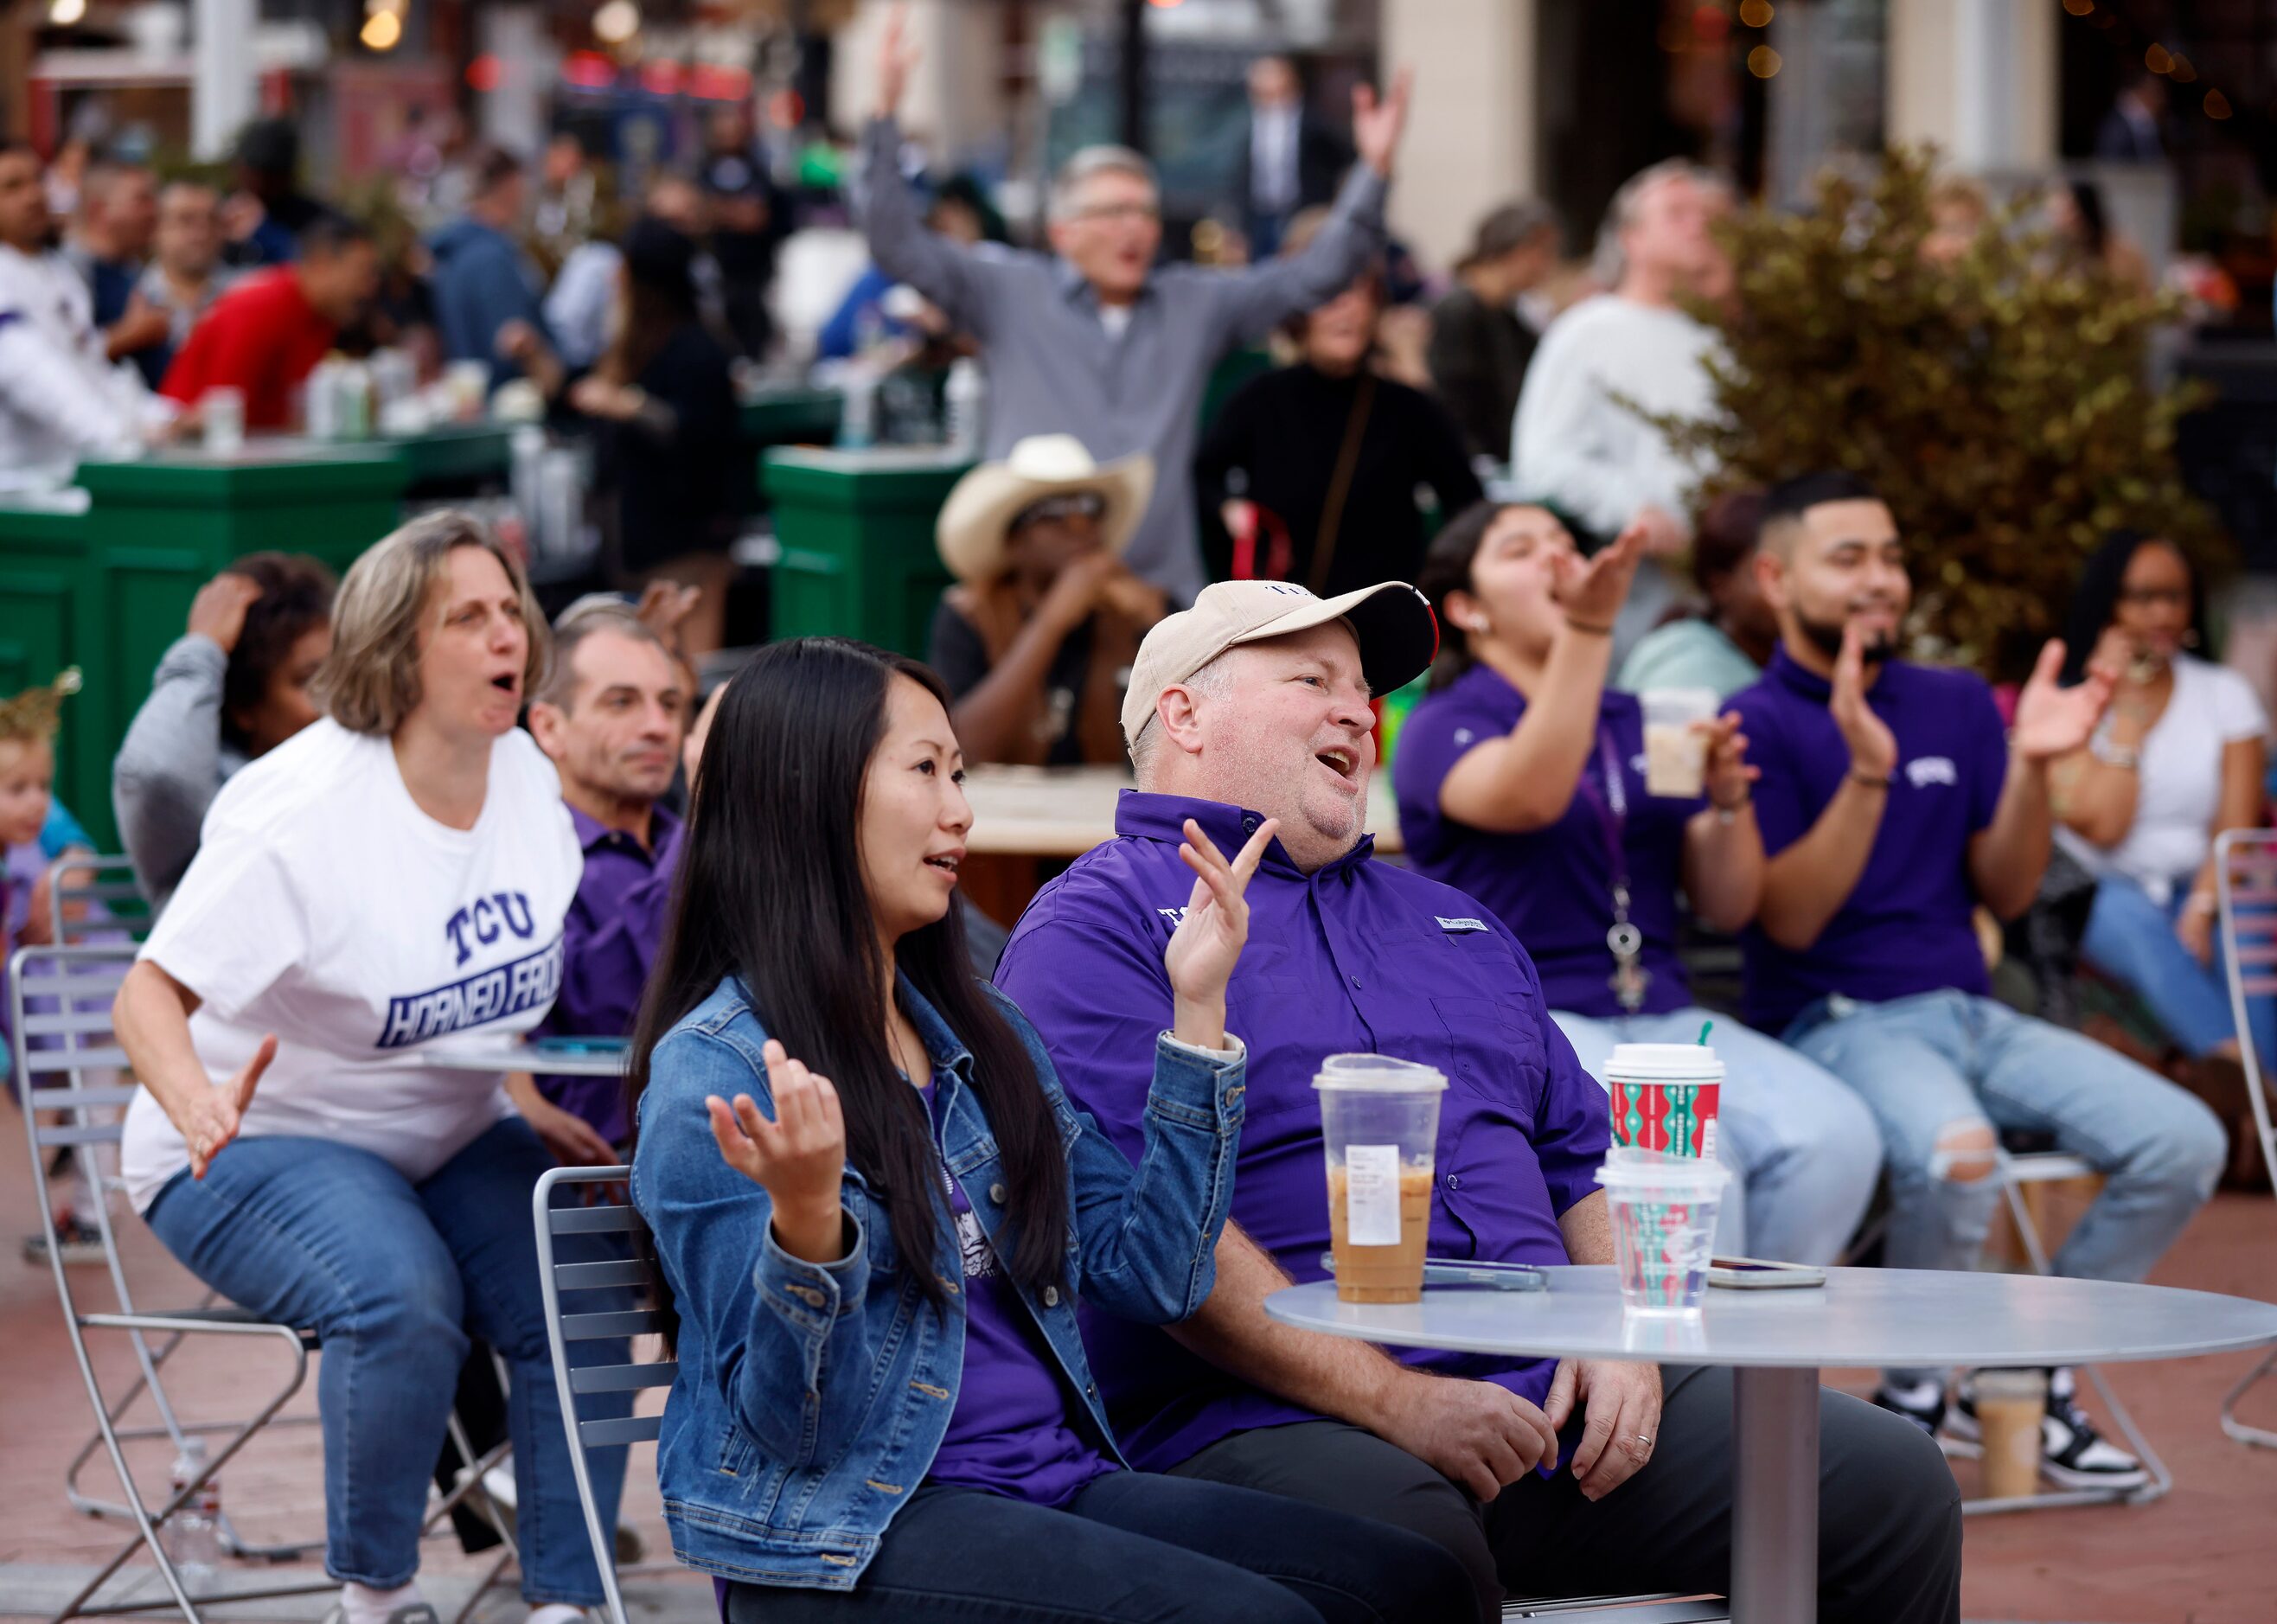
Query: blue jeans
(1803, 1151)
(1132, 1548)
(2131, 939)
(393, 1277)
(1946, 1064)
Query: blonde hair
(369, 682)
(34, 716)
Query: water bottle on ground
(191, 1535)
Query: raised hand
(1592, 591)
(1873, 747)
(897, 59)
(213, 1117)
(1208, 940)
(2053, 721)
(218, 612)
(799, 1157)
(1376, 124)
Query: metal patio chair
(564, 1325)
(2245, 895)
(69, 1066)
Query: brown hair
(369, 682)
(296, 597)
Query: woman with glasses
(2178, 759)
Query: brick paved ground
(2205, 1555)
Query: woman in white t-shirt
(396, 873)
(2178, 759)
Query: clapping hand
(2053, 721)
(214, 1116)
(1592, 591)
(1208, 940)
(1376, 124)
(799, 1157)
(1873, 747)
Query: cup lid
(1627, 1169)
(1669, 1062)
(1378, 1075)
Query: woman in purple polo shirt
(1521, 781)
(883, 1409)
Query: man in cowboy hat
(1045, 620)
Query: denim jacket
(811, 1398)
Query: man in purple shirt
(611, 717)
(1254, 704)
(1893, 804)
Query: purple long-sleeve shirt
(1359, 957)
(609, 940)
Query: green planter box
(157, 530)
(455, 457)
(44, 587)
(856, 529)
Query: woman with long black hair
(883, 1409)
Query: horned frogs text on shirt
(326, 907)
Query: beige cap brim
(1398, 636)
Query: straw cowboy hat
(975, 522)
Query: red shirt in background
(263, 338)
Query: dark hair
(2095, 601)
(296, 597)
(1446, 570)
(1791, 498)
(660, 296)
(1725, 536)
(770, 891)
(490, 166)
(2094, 219)
(330, 232)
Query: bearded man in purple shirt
(611, 717)
(1892, 803)
(1254, 704)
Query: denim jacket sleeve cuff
(811, 1296)
(1200, 1088)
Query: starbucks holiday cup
(1664, 1097)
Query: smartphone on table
(1750, 1274)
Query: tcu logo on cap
(1284, 589)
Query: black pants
(1130, 1548)
(1889, 1512)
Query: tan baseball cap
(1397, 631)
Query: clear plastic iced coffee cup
(1380, 1132)
(1675, 749)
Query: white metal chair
(74, 1082)
(564, 1326)
(97, 897)
(2246, 893)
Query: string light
(2217, 105)
(1756, 13)
(616, 22)
(2183, 71)
(1764, 62)
(2157, 60)
(64, 13)
(383, 30)
(2079, 8)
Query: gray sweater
(1054, 367)
(171, 765)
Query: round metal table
(482, 1054)
(1778, 1341)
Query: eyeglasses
(1075, 505)
(2155, 597)
(1120, 211)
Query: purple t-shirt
(609, 940)
(1553, 886)
(1906, 926)
(1359, 957)
(1008, 1432)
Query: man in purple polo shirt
(1892, 803)
(611, 717)
(1253, 704)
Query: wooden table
(1024, 816)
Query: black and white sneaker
(1922, 1403)
(2073, 1455)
